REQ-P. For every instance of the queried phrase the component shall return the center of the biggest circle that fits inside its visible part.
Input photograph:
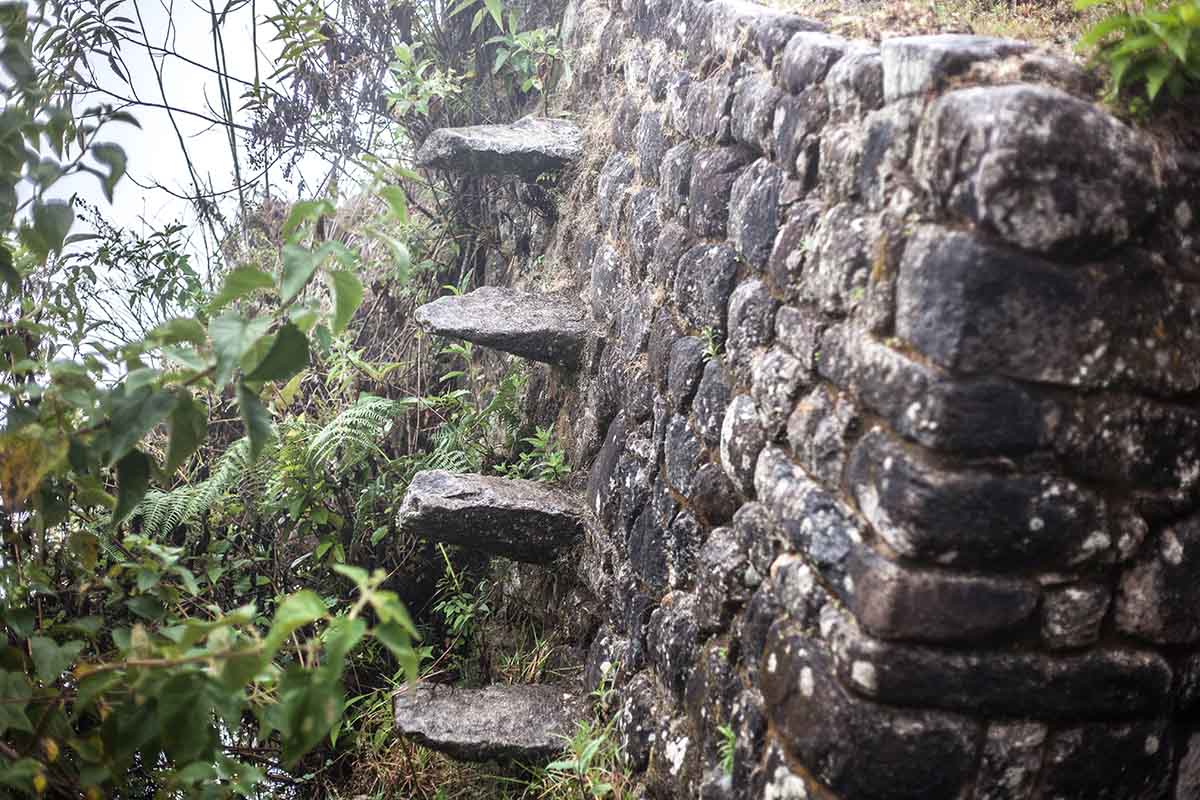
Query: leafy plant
(1152, 47)
(712, 343)
(727, 747)
(542, 461)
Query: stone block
(807, 59)
(920, 65)
(1158, 597)
(742, 438)
(754, 212)
(703, 283)
(821, 431)
(712, 176)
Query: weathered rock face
(548, 329)
(528, 148)
(899, 395)
(522, 723)
(517, 519)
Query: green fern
(162, 512)
(354, 434)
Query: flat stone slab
(528, 147)
(540, 327)
(523, 723)
(518, 519)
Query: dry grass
(1051, 23)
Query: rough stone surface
(703, 284)
(1159, 596)
(711, 181)
(1012, 756)
(522, 723)
(1044, 170)
(742, 437)
(528, 148)
(518, 519)
(539, 327)
(916, 65)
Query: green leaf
(304, 211)
(133, 478)
(296, 610)
(496, 9)
(397, 201)
(287, 356)
(255, 418)
(342, 636)
(241, 668)
(187, 426)
(15, 691)
(134, 414)
(299, 264)
(232, 337)
(112, 156)
(347, 297)
(240, 283)
(52, 221)
(396, 639)
(310, 713)
(1156, 75)
(51, 659)
(180, 329)
(8, 272)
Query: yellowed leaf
(26, 457)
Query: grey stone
(1187, 784)
(714, 498)
(854, 85)
(676, 101)
(1037, 167)
(1123, 761)
(644, 229)
(636, 720)
(719, 587)
(807, 59)
(543, 328)
(742, 437)
(518, 519)
(795, 247)
(615, 178)
(796, 131)
(1097, 684)
(651, 145)
(523, 723)
(624, 121)
(710, 402)
(676, 174)
(672, 639)
(686, 368)
(608, 276)
(774, 31)
(896, 602)
(752, 119)
(703, 283)
(713, 174)
(663, 333)
(751, 325)
(673, 241)
(528, 147)
(707, 109)
(836, 269)
(972, 517)
(754, 212)
(821, 430)
(855, 748)
(925, 404)
(919, 65)
(778, 378)
(800, 331)
(840, 162)
(683, 453)
(1158, 598)
(974, 307)
(1012, 756)
(1071, 615)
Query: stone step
(524, 723)
(518, 519)
(540, 327)
(528, 148)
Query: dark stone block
(673, 242)
(1072, 614)
(742, 438)
(612, 185)
(644, 229)
(970, 416)
(663, 333)
(854, 84)
(800, 331)
(651, 145)
(794, 246)
(773, 32)
(624, 122)
(711, 400)
(1011, 760)
(713, 174)
(752, 119)
(1098, 684)
(821, 431)
(1043, 170)
(528, 148)
(686, 368)
(1109, 762)
(602, 496)
(974, 307)
(856, 748)
(720, 590)
(648, 552)
(971, 517)
(676, 173)
(836, 270)
(896, 602)
(920, 65)
(714, 498)
(707, 109)
(637, 720)
(683, 453)
(751, 325)
(777, 380)
(807, 59)
(1158, 597)
(703, 283)
(797, 127)
(754, 212)
(672, 640)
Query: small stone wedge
(529, 147)
(530, 325)
(525, 723)
(518, 519)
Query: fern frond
(354, 434)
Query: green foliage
(542, 461)
(712, 343)
(419, 82)
(727, 747)
(1148, 48)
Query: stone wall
(928, 526)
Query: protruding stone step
(524, 723)
(528, 147)
(518, 519)
(535, 326)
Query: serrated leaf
(232, 337)
(255, 418)
(50, 659)
(297, 609)
(134, 414)
(304, 211)
(347, 297)
(299, 264)
(287, 356)
(397, 202)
